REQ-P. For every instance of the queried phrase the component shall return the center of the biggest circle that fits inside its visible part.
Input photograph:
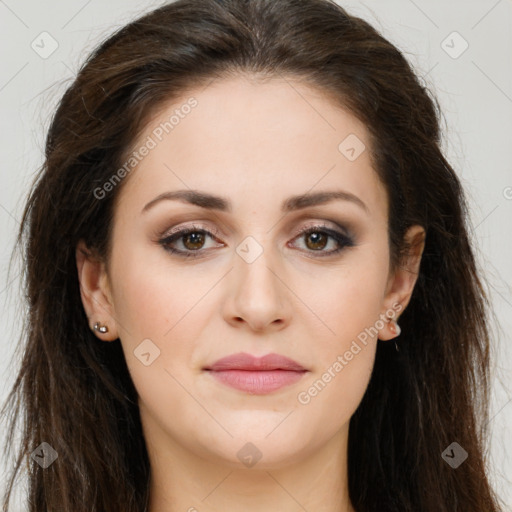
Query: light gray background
(474, 89)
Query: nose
(257, 296)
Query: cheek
(142, 305)
(347, 299)
(150, 297)
(344, 356)
(163, 305)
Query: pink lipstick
(256, 375)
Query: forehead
(265, 139)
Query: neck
(182, 480)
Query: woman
(249, 277)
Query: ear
(95, 292)
(402, 281)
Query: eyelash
(342, 239)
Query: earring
(100, 328)
(395, 328)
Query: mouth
(256, 375)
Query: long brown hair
(76, 394)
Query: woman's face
(246, 280)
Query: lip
(256, 375)
(243, 361)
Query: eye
(317, 238)
(192, 240)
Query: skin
(256, 144)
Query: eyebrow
(293, 203)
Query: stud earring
(100, 328)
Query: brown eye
(316, 240)
(193, 240)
